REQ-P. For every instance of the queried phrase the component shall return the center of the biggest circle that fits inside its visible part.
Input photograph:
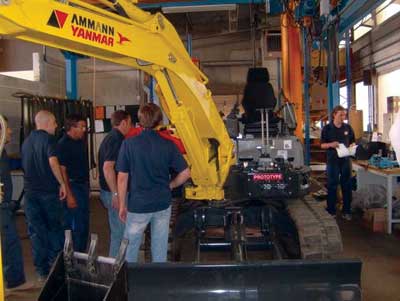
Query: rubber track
(318, 232)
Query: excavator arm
(124, 34)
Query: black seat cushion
(258, 94)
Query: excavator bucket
(333, 280)
(80, 277)
(86, 277)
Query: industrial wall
(225, 59)
(16, 56)
(378, 50)
(108, 84)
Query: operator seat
(258, 94)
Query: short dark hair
(72, 121)
(337, 109)
(149, 115)
(118, 116)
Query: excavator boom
(143, 41)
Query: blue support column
(349, 83)
(189, 44)
(71, 74)
(333, 70)
(306, 93)
(278, 78)
(151, 88)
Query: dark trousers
(77, 219)
(13, 264)
(339, 172)
(44, 215)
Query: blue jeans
(77, 219)
(136, 224)
(44, 215)
(13, 264)
(339, 172)
(117, 227)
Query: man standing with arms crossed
(108, 155)
(44, 189)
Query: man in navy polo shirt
(146, 162)
(108, 154)
(44, 189)
(338, 169)
(72, 151)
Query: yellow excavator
(271, 195)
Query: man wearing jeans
(338, 169)
(146, 162)
(72, 151)
(44, 187)
(108, 154)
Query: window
(387, 10)
(364, 103)
(343, 97)
(363, 26)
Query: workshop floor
(380, 254)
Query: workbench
(367, 175)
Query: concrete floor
(380, 254)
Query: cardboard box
(319, 96)
(375, 219)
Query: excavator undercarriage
(235, 203)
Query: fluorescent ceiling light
(198, 8)
(26, 75)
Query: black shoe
(330, 213)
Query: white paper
(376, 137)
(394, 135)
(287, 144)
(121, 107)
(109, 111)
(99, 126)
(344, 151)
(282, 153)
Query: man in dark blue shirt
(73, 156)
(338, 169)
(44, 189)
(108, 154)
(146, 161)
(13, 264)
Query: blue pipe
(333, 81)
(71, 74)
(198, 3)
(349, 83)
(189, 44)
(306, 87)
